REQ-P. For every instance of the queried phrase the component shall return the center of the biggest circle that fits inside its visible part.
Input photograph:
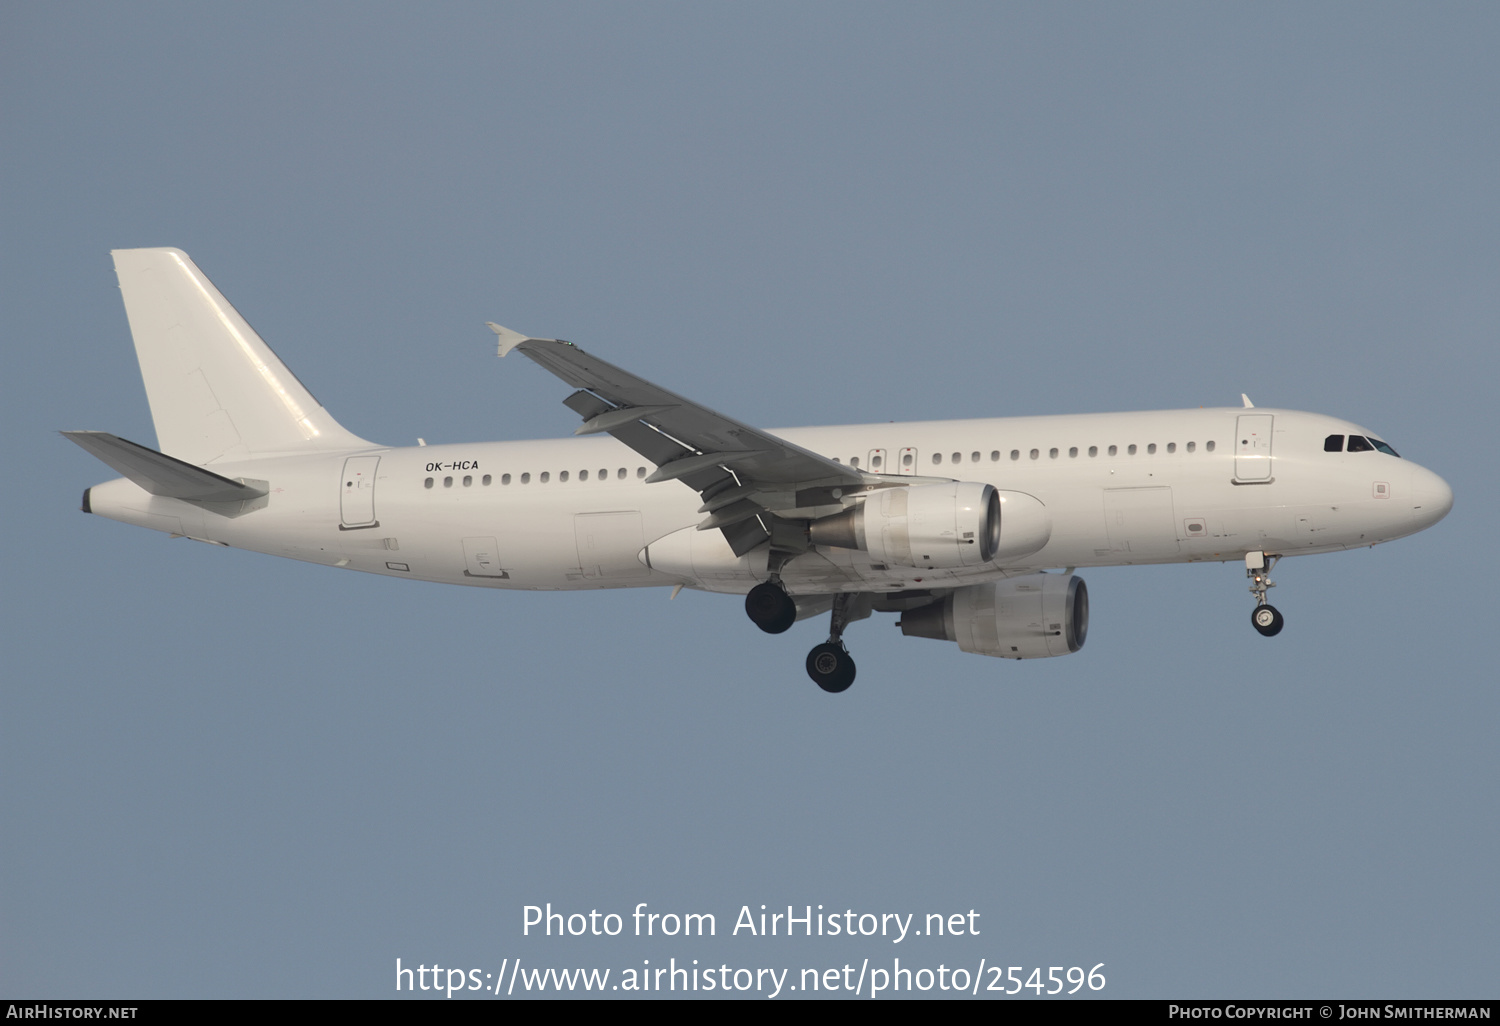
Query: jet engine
(1028, 617)
(957, 524)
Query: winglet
(1245, 398)
(508, 339)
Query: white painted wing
(744, 474)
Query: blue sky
(227, 775)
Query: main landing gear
(770, 607)
(1266, 618)
(830, 665)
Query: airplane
(970, 530)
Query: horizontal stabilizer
(161, 474)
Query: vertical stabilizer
(217, 391)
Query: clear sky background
(223, 774)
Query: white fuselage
(1120, 488)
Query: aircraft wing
(747, 478)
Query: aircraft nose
(1431, 497)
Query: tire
(1267, 620)
(830, 667)
(770, 608)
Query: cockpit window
(1377, 443)
(1333, 443)
(1358, 443)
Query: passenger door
(1252, 452)
(357, 493)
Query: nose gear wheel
(1266, 619)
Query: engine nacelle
(1029, 617)
(957, 524)
(940, 525)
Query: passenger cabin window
(937, 458)
(1358, 443)
(1114, 450)
(1015, 454)
(1191, 446)
(1151, 449)
(1333, 443)
(1093, 450)
(995, 456)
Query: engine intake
(1030, 617)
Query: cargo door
(1140, 523)
(609, 545)
(482, 558)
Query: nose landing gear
(830, 665)
(1266, 619)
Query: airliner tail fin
(217, 391)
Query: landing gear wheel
(1267, 620)
(771, 608)
(831, 667)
